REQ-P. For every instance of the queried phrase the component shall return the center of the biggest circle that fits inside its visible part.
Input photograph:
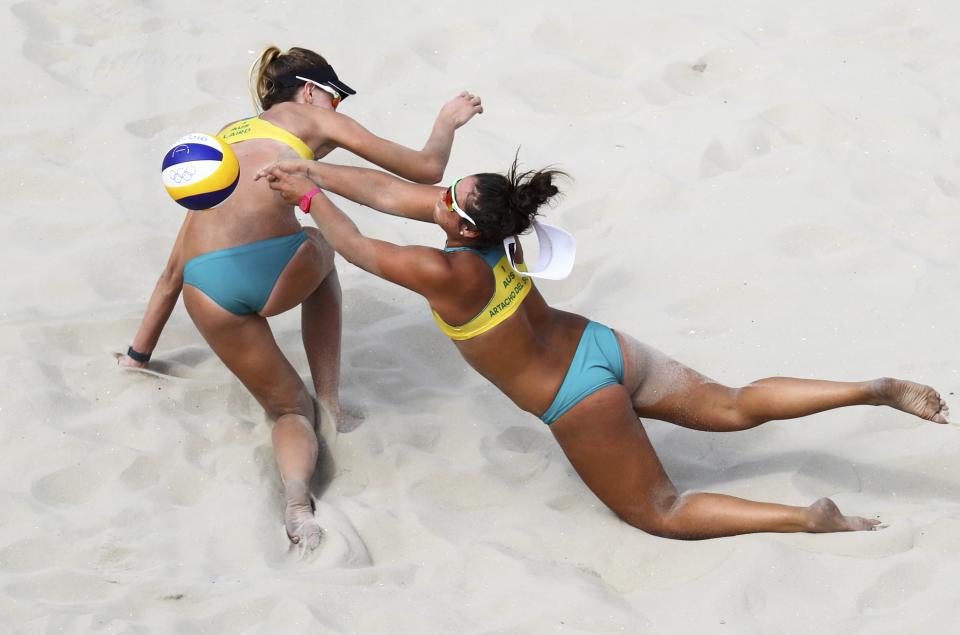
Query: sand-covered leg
(609, 448)
(247, 347)
(662, 388)
(321, 322)
(295, 446)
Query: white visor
(558, 251)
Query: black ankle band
(137, 356)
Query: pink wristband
(307, 198)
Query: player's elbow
(430, 173)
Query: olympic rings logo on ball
(183, 174)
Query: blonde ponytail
(260, 85)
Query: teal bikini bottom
(241, 278)
(598, 362)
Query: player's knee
(736, 420)
(654, 524)
(299, 404)
(657, 523)
(736, 415)
(654, 515)
(662, 520)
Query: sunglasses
(335, 97)
(450, 198)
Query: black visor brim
(323, 75)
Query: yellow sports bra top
(257, 128)
(510, 289)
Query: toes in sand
(823, 516)
(299, 517)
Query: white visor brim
(558, 252)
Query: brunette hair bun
(507, 204)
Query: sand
(760, 188)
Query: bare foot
(302, 526)
(917, 399)
(824, 516)
(128, 362)
(344, 419)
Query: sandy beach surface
(759, 188)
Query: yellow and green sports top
(257, 128)
(510, 289)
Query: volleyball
(200, 171)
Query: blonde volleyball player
(249, 258)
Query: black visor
(323, 75)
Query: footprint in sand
(717, 159)
(610, 57)
(387, 355)
(78, 45)
(341, 545)
(947, 186)
(458, 38)
(69, 486)
(182, 488)
(171, 125)
(43, 45)
(942, 537)
(362, 309)
(219, 81)
(825, 476)
(453, 492)
(391, 70)
(710, 73)
(705, 314)
(889, 191)
(144, 471)
(806, 124)
(897, 585)
(411, 363)
(774, 128)
(518, 453)
(63, 587)
(547, 92)
(810, 241)
(33, 554)
(566, 502)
